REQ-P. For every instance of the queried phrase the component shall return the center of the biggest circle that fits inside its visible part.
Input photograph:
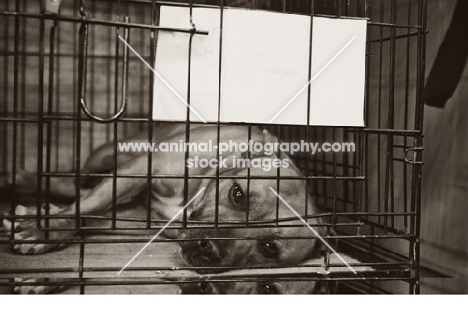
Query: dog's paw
(32, 289)
(26, 229)
(7, 226)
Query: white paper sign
(264, 64)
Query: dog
(231, 198)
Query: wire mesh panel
(73, 91)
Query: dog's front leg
(96, 201)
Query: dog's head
(273, 244)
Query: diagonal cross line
(162, 79)
(313, 230)
(312, 79)
(160, 231)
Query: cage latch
(52, 6)
(413, 161)
(82, 68)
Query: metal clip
(82, 76)
(82, 9)
(52, 6)
(414, 150)
(194, 27)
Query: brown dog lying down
(235, 201)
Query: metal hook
(414, 150)
(82, 76)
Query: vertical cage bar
(5, 110)
(49, 123)
(15, 110)
(23, 92)
(115, 123)
(278, 176)
(81, 265)
(153, 42)
(221, 12)
(379, 124)
(392, 114)
(187, 121)
(5, 129)
(249, 138)
(40, 122)
(367, 113)
(92, 90)
(422, 20)
(57, 93)
(83, 54)
(345, 170)
(309, 77)
(324, 169)
(76, 88)
(405, 124)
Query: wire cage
(69, 85)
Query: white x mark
(160, 231)
(162, 80)
(313, 230)
(312, 79)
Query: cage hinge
(414, 150)
(52, 6)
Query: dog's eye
(267, 289)
(268, 250)
(237, 194)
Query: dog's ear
(268, 138)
